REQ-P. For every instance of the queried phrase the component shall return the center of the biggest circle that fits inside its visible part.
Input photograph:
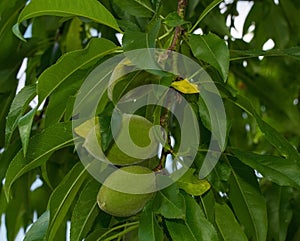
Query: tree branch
(178, 30)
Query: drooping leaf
(5, 102)
(280, 212)
(17, 210)
(229, 228)
(192, 184)
(282, 171)
(51, 78)
(24, 124)
(207, 202)
(40, 148)
(91, 9)
(63, 197)
(149, 229)
(213, 50)
(17, 109)
(197, 222)
(247, 201)
(9, 10)
(73, 41)
(38, 229)
(170, 203)
(273, 136)
(85, 211)
(179, 231)
(7, 156)
(195, 227)
(278, 140)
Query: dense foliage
(253, 193)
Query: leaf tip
(17, 32)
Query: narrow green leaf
(208, 205)
(197, 222)
(69, 63)
(105, 121)
(38, 229)
(293, 52)
(9, 11)
(179, 231)
(90, 9)
(85, 211)
(282, 171)
(73, 39)
(3, 202)
(149, 229)
(213, 50)
(16, 208)
(56, 108)
(17, 109)
(229, 228)
(277, 140)
(24, 124)
(247, 201)
(204, 113)
(170, 203)
(195, 227)
(192, 184)
(8, 155)
(280, 212)
(5, 103)
(137, 8)
(207, 10)
(63, 197)
(40, 148)
(272, 136)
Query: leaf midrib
(86, 220)
(213, 54)
(57, 211)
(63, 14)
(173, 204)
(33, 161)
(73, 70)
(248, 210)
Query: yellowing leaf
(193, 185)
(185, 87)
(84, 129)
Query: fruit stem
(118, 227)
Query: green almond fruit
(141, 145)
(125, 204)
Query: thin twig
(178, 30)
(164, 119)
